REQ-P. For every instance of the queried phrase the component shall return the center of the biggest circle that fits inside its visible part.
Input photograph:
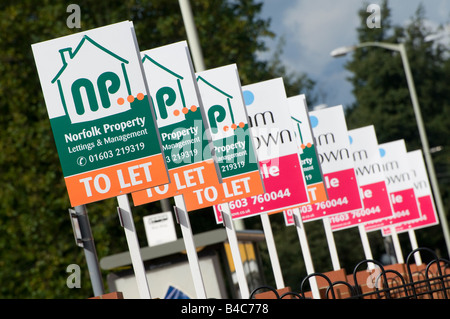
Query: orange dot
(225, 128)
(233, 126)
(120, 101)
(185, 110)
(140, 96)
(308, 145)
(130, 98)
(176, 112)
(303, 146)
(193, 108)
(241, 124)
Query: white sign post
(133, 245)
(305, 251)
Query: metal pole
(89, 250)
(194, 42)
(425, 147)
(306, 252)
(331, 243)
(366, 244)
(126, 218)
(413, 239)
(235, 252)
(397, 247)
(267, 228)
(188, 237)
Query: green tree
(383, 98)
(36, 241)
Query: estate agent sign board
(103, 126)
(277, 151)
(181, 124)
(371, 181)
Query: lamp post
(423, 136)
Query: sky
(313, 28)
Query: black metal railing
(400, 281)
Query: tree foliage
(36, 241)
(383, 99)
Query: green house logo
(169, 99)
(221, 118)
(93, 82)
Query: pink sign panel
(427, 219)
(289, 216)
(399, 180)
(343, 194)
(405, 207)
(376, 206)
(423, 192)
(282, 191)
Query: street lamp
(423, 136)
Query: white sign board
(277, 151)
(399, 183)
(96, 98)
(333, 146)
(424, 197)
(226, 116)
(181, 123)
(160, 228)
(371, 181)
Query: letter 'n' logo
(96, 91)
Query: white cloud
(317, 27)
(312, 29)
